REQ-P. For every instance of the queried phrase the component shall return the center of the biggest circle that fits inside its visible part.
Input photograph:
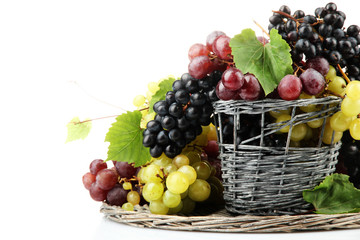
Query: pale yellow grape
(278, 113)
(337, 85)
(193, 157)
(328, 133)
(283, 118)
(310, 107)
(152, 173)
(355, 129)
(188, 206)
(176, 209)
(170, 199)
(203, 170)
(139, 100)
(350, 107)
(133, 197)
(180, 160)
(127, 185)
(140, 175)
(149, 95)
(353, 90)
(170, 168)
(161, 161)
(158, 207)
(211, 136)
(298, 132)
(177, 182)
(315, 123)
(128, 207)
(189, 172)
(331, 73)
(153, 87)
(340, 122)
(199, 191)
(309, 133)
(152, 191)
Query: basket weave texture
(222, 221)
(263, 180)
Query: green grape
(310, 107)
(161, 161)
(188, 206)
(152, 173)
(298, 132)
(353, 90)
(140, 175)
(170, 199)
(350, 107)
(212, 136)
(309, 133)
(158, 207)
(176, 209)
(315, 123)
(128, 207)
(216, 182)
(331, 73)
(152, 191)
(215, 196)
(340, 122)
(283, 118)
(139, 100)
(280, 112)
(203, 171)
(127, 185)
(337, 85)
(199, 191)
(355, 129)
(170, 168)
(184, 194)
(193, 157)
(153, 87)
(328, 133)
(189, 172)
(133, 197)
(180, 160)
(177, 182)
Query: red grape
(125, 170)
(320, 64)
(198, 49)
(88, 179)
(233, 79)
(251, 90)
(290, 87)
(212, 149)
(221, 47)
(117, 195)
(106, 179)
(200, 66)
(211, 38)
(225, 94)
(313, 82)
(97, 165)
(97, 193)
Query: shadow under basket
(264, 172)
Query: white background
(60, 59)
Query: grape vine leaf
(269, 62)
(77, 130)
(336, 194)
(125, 138)
(164, 86)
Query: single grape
(298, 132)
(125, 170)
(340, 122)
(152, 191)
(139, 100)
(350, 107)
(315, 123)
(198, 49)
(158, 207)
(200, 66)
(88, 179)
(153, 87)
(330, 136)
(355, 129)
(211, 38)
(156, 150)
(320, 64)
(133, 197)
(176, 209)
(97, 165)
(290, 87)
(170, 199)
(337, 85)
(199, 191)
(117, 195)
(153, 126)
(193, 157)
(188, 205)
(161, 161)
(97, 193)
(251, 90)
(177, 182)
(313, 82)
(353, 90)
(152, 173)
(190, 172)
(106, 179)
(161, 108)
(331, 73)
(212, 149)
(233, 79)
(283, 118)
(170, 168)
(225, 94)
(203, 170)
(180, 160)
(198, 99)
(127, 185)
(128, 206)
(221, 47)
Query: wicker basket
(261, 180)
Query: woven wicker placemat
(221, 221)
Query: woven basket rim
(223, 222)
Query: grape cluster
(322, 34)
(180, 116)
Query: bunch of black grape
(321, 34)
(179, 117)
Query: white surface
(60, 59)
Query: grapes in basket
(165, 153)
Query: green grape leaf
(336, 194)
(125, 138)
(164, 86)
(269, 62)
(77, 130)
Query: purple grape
(117, 195)
(313, 82)
(125, 170)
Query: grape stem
(262, 29)
(297, 69)
(343, 74)
(286, 15)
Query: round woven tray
(222, 221)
